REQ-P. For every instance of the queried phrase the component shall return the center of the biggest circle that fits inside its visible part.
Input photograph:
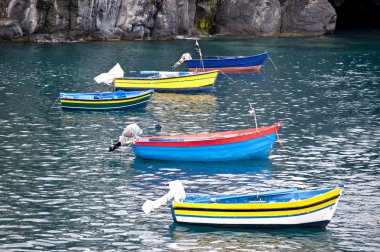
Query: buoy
(157, 126)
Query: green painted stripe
(104, 105)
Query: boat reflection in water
(171, 170)
(183, 102)
(187, 237)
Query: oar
(113, 147)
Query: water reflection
(187, 102)
(61, 190)
(188, 236)
(171, 170)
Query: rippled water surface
(61, 190)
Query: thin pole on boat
(197, 47)
(272, 61)
(54, 104)
(253, 113)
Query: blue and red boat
(228, 63)
(254, 143)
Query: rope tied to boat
(227, 76)
(272, 61)
(54, 104)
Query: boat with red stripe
(253, 143)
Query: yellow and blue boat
(105, 101)
(273, 209)
(170, 82)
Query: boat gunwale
(215, 138)
(240, 57)
(191, 74)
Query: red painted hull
(207, 139)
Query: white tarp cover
(176, 192)
(131, 131)
(107, 78)
(185, 56)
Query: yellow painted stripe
(255, 214)
(192, 81)
(279, 205)
(106, 101)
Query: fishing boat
(268, 209)
(228, 64)
(172, 82)
(222, 63)
(105, 101)
(253, 143)
(273, 209)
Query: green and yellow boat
(105, 101)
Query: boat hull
(228, 64)
(139, 100)
(316, 212)
(253, 149)
(209, 147)
(200, 82)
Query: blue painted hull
(228, 62)
(257, 148)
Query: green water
(61, 190)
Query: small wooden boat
(105, 101)
(227, 63)
(274, 209)
(169, 81)
(254, 143)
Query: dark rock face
(307, 17)
(336, 3)
(256, 17)
(60, 20)
(358, 14)
(10, 29)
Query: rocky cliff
(63, 20)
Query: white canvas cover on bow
(176, 192)
(107, 78)
(131, 131)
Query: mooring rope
(54, 104)
(272, 62)
(227, 76)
